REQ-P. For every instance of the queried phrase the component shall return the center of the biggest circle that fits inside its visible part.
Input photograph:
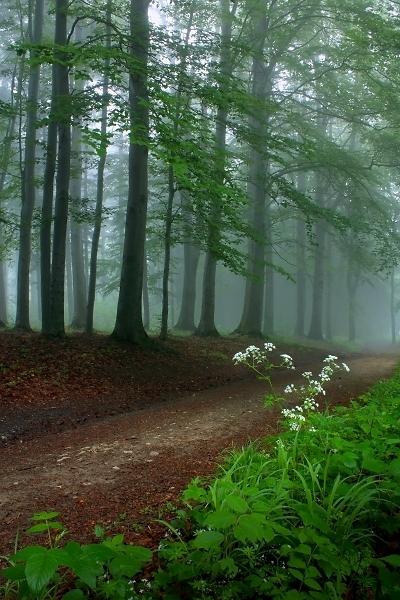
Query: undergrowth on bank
(312, 513)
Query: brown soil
(121, 469)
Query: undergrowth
(313, 513)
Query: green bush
(303, 517)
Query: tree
(28, 174)
(129, 320)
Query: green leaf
(394, 467)
(208, 540)
(392, 560)
(250, 527)
(13, 573)
(237, 504)
(45, 516)
(370, 463)
(99, 531)
(128, 566)
(27, 552)
(297, 563)
(303, 549)
(349, 460)
(74, 595)
(40, 568)
(312, 583)
(220, 519)
(42, 527)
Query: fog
(208, 168)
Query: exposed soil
(115, 448)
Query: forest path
(135, 462)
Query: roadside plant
(102, 570)
(305, 394)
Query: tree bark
(300, 264)
(207, 325)
(191, 257)
(328, 307)
(251, 321)
(47, 205)
(167, 255)
(316, 326)
(129, 321)
(269, 307)
(100, 184)
(16, 82)
(146, 298)
(22, 320)
(393, 307)
(77, 257)
(56, 324)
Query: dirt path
(130, 464)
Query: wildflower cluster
(257, 359)
(314, 386)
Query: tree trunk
(251, 321)
(146, 299)
(393, 307)
(3, 295)
(100, 185)
(16, 82)
(301, 238)
(269, 308)
(47, 205)
(56, 324)
(167, 254)
(129, 321)
(191, 256)
(22, 320)
(328, 307)
(206, 325)
(77, 258)
(316, 327)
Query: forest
(199, 298)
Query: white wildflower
(289, 389)
(269, 346)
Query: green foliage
(301, 520)
(105, 569)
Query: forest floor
(108, 434)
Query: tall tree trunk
(251, 321)
(393, 307)
(129, 320)
(328, 307)
(16, 83)
(180, 107)
(68, 278)
(316, 327)
(100, 184)
(301, 238)
(28, 180)
(77, 257)
(269, 305)
(191, 256)
(146, 298)
(56, 325)
(167, 255)
(3, 294)
(47, 205)
(206, 325)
